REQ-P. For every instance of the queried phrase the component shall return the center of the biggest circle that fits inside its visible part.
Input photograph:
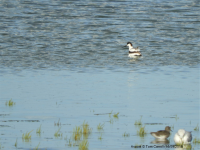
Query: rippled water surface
(66, 61)
(77, 34)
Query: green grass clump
(197, 128)
(77, 132)
(16, 143)
(36, 148)
(139, 122)
(10, 103)
(38, 131)
(126, 134)
(58, 123)
(116, 115)
(83, 145)
(86, 129)
(26, 137)
(100, 137)
(111, 121)
(57, 134)
(142, 132)
(100, 126)
(70, 143)
(196, 141)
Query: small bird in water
(182, 137)
(162, 134)
(133, 52)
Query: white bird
(133, 51)
(182, 137)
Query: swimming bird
(182, 137)
(133, 52)
(162, 134)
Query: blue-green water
(65, 60)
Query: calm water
(66, 60)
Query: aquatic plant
(110, 113)
(83, 145)
(196, 141)
(58, 123)
(57, 134)
(16, 143)
(69, 144)
(36, 148)
(38, 130)
(111, 121)
(176, 117)
(116, 115)
(100, 137)
(77, 132)
(138, 122)
(197, 128)
(86, 129)
(10, 103)
(142, 132)
(26, 137)
(100, 126)
(126, 134)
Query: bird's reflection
(160, 141)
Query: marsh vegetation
(142, 131)
(100, 126)
(57, 134)
(38, 130)
(10, 103)
(197, 128)
(139, 122)
(84, 145)
(126, 134)
(196, 141)
(27, 136)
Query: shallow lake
(63, 63)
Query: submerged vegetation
(83, 145)
(58, 123)
(100, 137)
(196, 141)
(126, 134)
(36, 148)
(100, 126)
(38, 131)
(176, 117)
(10, 103)
(86, 129)
(77, 133)
(111, 121)
(110, 113)
(16, 143)
(57, 134)
(116, 115)
(142, 132)
(26, 137)
(197, 128)
(138, 122)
